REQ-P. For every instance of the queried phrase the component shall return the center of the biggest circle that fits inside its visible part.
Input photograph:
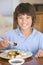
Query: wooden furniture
(38, 22)
(29, 61)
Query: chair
(38, 22)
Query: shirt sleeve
(6, 36)
(41, 42)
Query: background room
(6, 13)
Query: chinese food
(15, 54)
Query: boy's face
(24, 21)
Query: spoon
(15, 44)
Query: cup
(16, 61)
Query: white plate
(4, 55)
(16, 61)
(1, 51)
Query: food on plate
(12, 53)
(1, 51)
(22, 53)
(15, 54)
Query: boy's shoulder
(38, 32)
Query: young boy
(27, 38)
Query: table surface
(28, 61)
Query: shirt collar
(20, 34)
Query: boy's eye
(20, 17)
(28, 17)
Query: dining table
(28, 61)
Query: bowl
(16, 61)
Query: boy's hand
(39, 53)
(4, 43)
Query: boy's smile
(24, 21)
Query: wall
(33, 1)
(15, 3)
(6, 22)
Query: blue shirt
(33, 43)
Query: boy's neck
(27, 32)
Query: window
(6, 7)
